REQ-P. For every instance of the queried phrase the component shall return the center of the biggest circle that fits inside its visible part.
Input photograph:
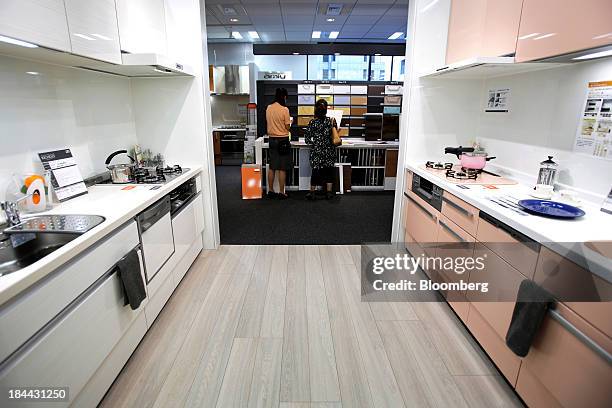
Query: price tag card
(66, 177)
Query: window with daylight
(380, 69)
(338, 67)
(399, 68)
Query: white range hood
(133, 65)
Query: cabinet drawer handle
(433, 217)
(457, 207)
(453, 233)
(581, 336)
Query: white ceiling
(279, 21)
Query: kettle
(120, 173)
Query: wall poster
(498, 100)
(594, 136)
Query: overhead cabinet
(142, 26)
(41, 22)
(482, 28)
(554, 27)
(93, 29)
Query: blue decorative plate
(551, 208)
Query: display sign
(66, 177)
(275, 75)
(593, 136)
(498, 100)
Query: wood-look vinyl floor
(284, 326)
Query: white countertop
(350, 143)
(112, 202)
(220, 129)
(563, 236)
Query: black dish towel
(128, 269)
(532, 304)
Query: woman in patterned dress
(322, 150)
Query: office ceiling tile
(299, 8)
(297, 36)
(356, 19)
(369, 9)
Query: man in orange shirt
(279, 146)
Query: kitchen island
(372, 165)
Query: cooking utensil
(552, 209)
(470, 157)
(120, 173)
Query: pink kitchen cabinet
(555, 27)
(482, 28)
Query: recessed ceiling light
(234, 20)
(334, 34)
(17, 42)
(378, 54)
(599, 54)
(254, 35)
(33, 73)
(316, 34)
(336, 53)
(296, 53)
(236, 35)
(396, 35)
(330, 20)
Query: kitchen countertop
(566, 237)
(219, 129)
(118, 206)
(349, 143)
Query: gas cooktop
(456, 174)
(151, 175)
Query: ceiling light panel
(334, 34)
(236, 35)
(316, 34)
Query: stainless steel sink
(36, 237)
(13, 259)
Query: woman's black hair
(321, 109)
(281, 96)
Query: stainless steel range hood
(231, 80)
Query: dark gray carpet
(351, 219)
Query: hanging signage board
(275, 75)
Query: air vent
(334, 9)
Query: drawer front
(68, 353)
(304, 120)
(393, 100)
(495, 306)
(460, 212)
(393, 89)
(561, 368)
(358, 111)
(359, 89)
(306, 99)
(28, 314)
(376, 90)
(421, 221)
(328, 98)
(157, 245)
(346, 110)
(342, 99)
(507, 362)
(342, 89)
(306, 88)
(343, 132)
(306, 110)
(357, 122)
(184, 229)
(408, 181)
(359, 100)
(325, 88)
(392, 110)
(564, 279)
(521, 255)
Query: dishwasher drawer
(186, 226)
(68, 351)
(157, 245)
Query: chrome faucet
(11, 210)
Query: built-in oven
(155, 228)
(428, 191)
(232, 147)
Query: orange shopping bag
(251, 181)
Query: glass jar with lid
(548, 172)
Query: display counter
(365, 165)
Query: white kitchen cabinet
(41, 22)
(20, 319)
(142, 26)
(93, 29)
(68, 351)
